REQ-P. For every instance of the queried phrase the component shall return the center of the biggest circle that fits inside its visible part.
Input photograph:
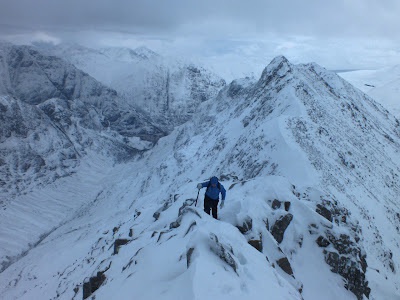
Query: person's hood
(214, 180)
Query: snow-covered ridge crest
(278, 66)
(310, 166)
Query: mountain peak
(279, 66)
(145, 52)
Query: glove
(222, 204)
(199, 186)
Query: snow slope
(311, 169)
(383, 85)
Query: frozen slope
(311, 169)
(383, 85)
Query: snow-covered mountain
(168, 89)
(311, 166)
(383, 85)
(53, 114)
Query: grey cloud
(207, 17)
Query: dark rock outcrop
(322, 242)
(343, 243)
(279, 228)
(256, 244)
(189, 256)
(323, 211)
(285, 265)
(94, 283)
(350, 270)
(156, 215)
(276, 204)
(222, 252)
(246, 226)
(118, 243)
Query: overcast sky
(334, 33)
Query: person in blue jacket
(211, 197)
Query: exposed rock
(187, 202)
(343, 244)
(256, 244)
(190, 227)
(118, 243)
(222, 252)
(278, 229)
(189, 257)
(94, 283)
(276, 204)
(174, 224)
(185, 210)
(182, 212)
(156, 215)
(323, 211)
(246, 226)
(285, 265)
(322, 242)
(162, 233)
(287, 205)
(348, 269)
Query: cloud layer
(236, 37)
(365, 18)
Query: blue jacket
(213, 192)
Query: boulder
(284, 264)
(256, 244)
(323, 211)
(279, 228)
(93, 284)
(322, 242)
(118, 243)
(276, 204)
(156, 215)
(246, 226)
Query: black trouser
(211, 204)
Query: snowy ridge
(311, 169)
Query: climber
(211, 197)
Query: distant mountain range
(167, 89)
